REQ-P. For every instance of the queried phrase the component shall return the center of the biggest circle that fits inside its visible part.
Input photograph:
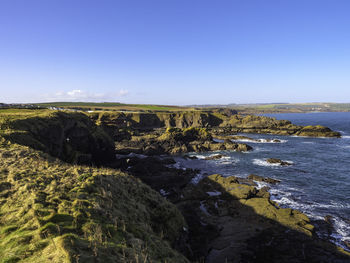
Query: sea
(318, 181)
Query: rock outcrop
(54, 211)
(278, 161)
(233, 222)
(177, 141)
(263, 179)
(63, 211)
(72, 137)
(220, 122)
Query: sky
(176, 52)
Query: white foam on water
(225, 161)
(346, 137)
(341, 228)
(263, 162)
(260, 184)
(222, 158)
(262, 140)
(332, 205)
(199, 156)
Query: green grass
(52, 211)
(113, 106)
(79, 104)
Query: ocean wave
(263, 162)
(260, 185)
(346, 137)
(262, 140)
(341, 228)
(199, 156)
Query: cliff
(61, 201)
(217, 122)
(72, 137)
(58, 211)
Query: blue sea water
(318, 182)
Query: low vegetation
(59, 202)
(52, 210)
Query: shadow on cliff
(237, 223)
(147, 121)
(71, 137)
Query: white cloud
(81, 95)
(123, 93)
(74, 93)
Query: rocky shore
(218, 123)
(88, 201)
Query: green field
(113, 106)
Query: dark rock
(215, 157)
(329, 219)
(277, 161)
(72, 137)
(227, 112)
(264, 192)
(190, 157)
(263, 179)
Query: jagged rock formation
(278, 161)
(233, 222)
(176, 141)
(72, 137)
(219, 123)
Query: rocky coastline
(216, 220)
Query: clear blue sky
(175, 51)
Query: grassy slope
(55, 211)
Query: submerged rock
(263, 179)
(278, 161)
(215, 157)
(190, 157)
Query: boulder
(277, 161)
(215, 157)
(263, 179)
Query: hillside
(64, 212)
(65, 197)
